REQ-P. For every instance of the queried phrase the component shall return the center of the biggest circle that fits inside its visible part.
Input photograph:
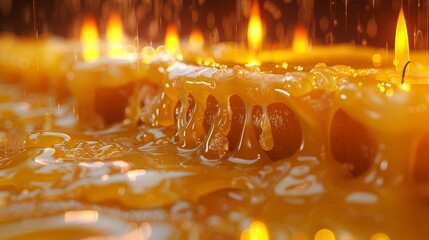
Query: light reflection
(389, 92)
(146, 229)
(86, 216)
(124, 166)
(256, 231)
(380, 236)
(324, 234)
(148, 54)
(97, 164)
(405, 87)
(196, 41)
(46, 157)
(300, 39)
(376, 60)
(132, 175)
(141, 233)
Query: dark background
(366, 22)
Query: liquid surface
(62, 180)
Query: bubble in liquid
(380, 236)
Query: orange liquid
(205, 160)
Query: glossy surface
(217, 154)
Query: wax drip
(194, 128)
(215, 145)
(247, 148)
(266, 139)
(181, 121)
(403, 72)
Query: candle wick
(403, 72)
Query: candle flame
(89, 40)
(115, 36)
(254, 32)
(196, 40)
(402, 52)
(300, 39)
(172, 43)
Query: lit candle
(102, 85)
(392, 115)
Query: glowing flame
(115, 36)
(254, 32)
(300, 39)
(196, 40)
(89, 40)
(172, 42)
(402, 53)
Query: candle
(102, 85)
(252, 143)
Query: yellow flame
(89, 40)
(254, 31)
(115, 36)
(172, 42)
(300, 39)
(402, 53)
(196, 40)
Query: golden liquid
(207, 165)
